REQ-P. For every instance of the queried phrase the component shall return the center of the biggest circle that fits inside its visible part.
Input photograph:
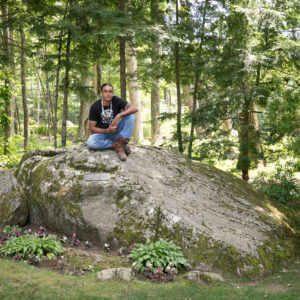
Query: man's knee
(91, 142)
(130, 118)
(97, 142)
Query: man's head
(107, 91)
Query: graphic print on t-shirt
(107, 116)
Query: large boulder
(218, 219)
(13, 203)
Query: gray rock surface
(156, 192)
(13, 204)
(204, 277)
(213, 276)
(115, 273)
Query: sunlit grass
(21, 281)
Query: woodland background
(217, 80)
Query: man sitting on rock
(111, 123)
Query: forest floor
(73, 276)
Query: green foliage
(30, 244)
(15, 152)
(11, 230)
(280, 185)
(157, 255)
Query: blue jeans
(99, 141)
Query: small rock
(246, 269)
(115, 273)
(193, 275)
(214, 276)
(124, 274)
(106, 274)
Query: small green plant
(157, 255)
(280, 185)
(26, 245)
(11, 230)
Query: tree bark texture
(97, 78)
(134, 91)
(12, 96)
(179, 132)
(23, 82)
(6, 57)
(49, 106)
(57, 80)
(155, 97)
(195, 94)
(66, 93)
(189, 102)
(38, 101)
(122, 60)
(85, 105)
(155, 80)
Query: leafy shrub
(31, 245)
(15, 152)
(11, 230)
(156, 255)
(280, 185)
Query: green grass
(21, 281)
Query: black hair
(105, 84)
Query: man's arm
(94, 129)
(128, 110)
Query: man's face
(107, 93)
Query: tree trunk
(57, 81)
(23, 82)
(18, 127)
(189, 102)
(244, 160)
(49, 106)
(155, 97)
(255, 123)
(155, 81)
(38, 101)
(66, 93)
(97, 79)
(6, 58)
(179, 133)
(84, 111)
(13, 97)
(122, 59)
(134, 91)
(195, 94)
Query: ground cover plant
(159, 256)
(26, 245)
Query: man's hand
(116, 120)
(112, 128)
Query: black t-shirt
(104, 119)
